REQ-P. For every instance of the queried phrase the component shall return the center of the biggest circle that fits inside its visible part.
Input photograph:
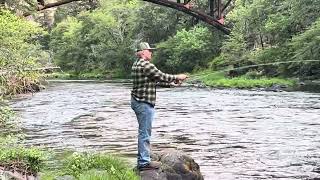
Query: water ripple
(232, 134)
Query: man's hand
(182, 77)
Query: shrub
(27, 160)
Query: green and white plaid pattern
(145, 78)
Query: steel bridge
(215, 16)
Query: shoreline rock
(6, 174)
(175, 166)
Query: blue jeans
(145, 115)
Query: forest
(269, 39)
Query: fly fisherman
(143, 98)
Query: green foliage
(262, 33)
(18, 41)
(20, 52)
(307, 45)
(104, 40)
(155, 24)
(243, 82)
(187, 50)
(96, 166)
(218, 79)
(97, 41)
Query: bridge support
(211, 20)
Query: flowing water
(232, 134)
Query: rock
(9, 175)
(175, 166)
(276, 88)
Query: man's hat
(143, 46)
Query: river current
(231, 134)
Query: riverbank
(18, 161)
(206, 78)
(220, 80)
(84, 76)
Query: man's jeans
(145, 114)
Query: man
(143, 98)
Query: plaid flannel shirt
(145, 78)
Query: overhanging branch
(202, 16)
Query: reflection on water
(232, 134)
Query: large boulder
(175, 166)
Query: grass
(218, 79)
(88, 166)
(13, 156)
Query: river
(231, 134)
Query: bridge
(215, 16)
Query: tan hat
(143, 46)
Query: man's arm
(175, 83)
(164, 84)
(153, 72)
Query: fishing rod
(197, 77)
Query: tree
(20, 52)
(188, 50)
(262, 32)
(96, 41)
